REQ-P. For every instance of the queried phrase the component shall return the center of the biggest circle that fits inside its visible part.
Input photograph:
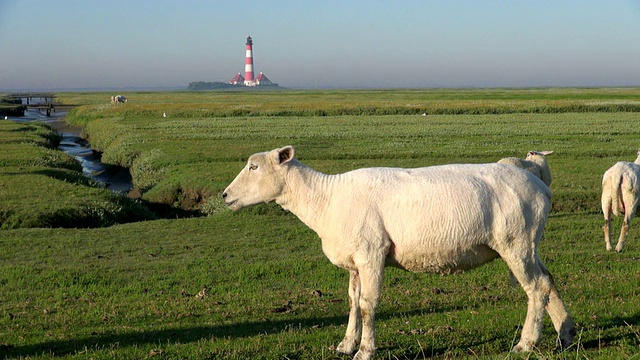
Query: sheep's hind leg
(607, 231)
(630, 207)
(349, 344)
(537, 285)
(562, 322)
(606, 211)
(623, 234)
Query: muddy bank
(60, 126)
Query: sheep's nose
(224, 195)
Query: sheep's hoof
(566, 335)
(619, 248)
(346, 347)
(563, 344)
(523, 346)
(363, 355)
(609, 247)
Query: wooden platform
(48, 106)
(48, 97)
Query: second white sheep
(535, 162)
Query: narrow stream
(113, 178)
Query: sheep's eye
(253, 167)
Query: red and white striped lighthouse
(248, 65)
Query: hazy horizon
(66, 45)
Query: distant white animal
(441, 219)
(6, 118)
(620, 194)
(535, 162)
(118, 99)
(164, 114)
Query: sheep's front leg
(349, 344)
(371, 283)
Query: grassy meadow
(255, 284)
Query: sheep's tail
(616, 194)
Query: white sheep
(535, 162)
(620, 194)
(441, 219)
(116, 99)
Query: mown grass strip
(184, 162)
(360, 103)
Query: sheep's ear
(285, 154)
(531, 153)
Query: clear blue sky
(66, 44)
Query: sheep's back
(511, 161)
(443, 218)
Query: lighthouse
(248, 64)
(249, 79)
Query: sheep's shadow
(60, 348)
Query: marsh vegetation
(121, 282)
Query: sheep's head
(261, 180)
(538, 157)
(531, 154)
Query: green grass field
(255, 284)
